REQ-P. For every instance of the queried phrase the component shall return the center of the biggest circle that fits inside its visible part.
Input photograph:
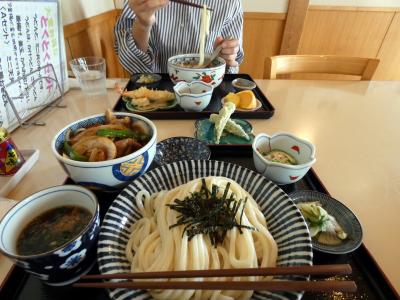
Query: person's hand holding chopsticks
(145, 10)
(145, 17)
(230, 49)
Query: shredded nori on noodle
(204, 212)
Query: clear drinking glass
(91, 74)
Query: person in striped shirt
(148, 32)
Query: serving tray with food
(235, 163)
(164, 96)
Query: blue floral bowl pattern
(106, 175)
(66, 263)
(181, 148)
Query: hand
(145, 10)
(230, 49)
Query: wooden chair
(327, 64)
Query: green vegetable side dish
(207, 212)
(72, 153)
(323, 227)
(279, 156)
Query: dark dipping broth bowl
(66, 263)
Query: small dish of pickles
(282, 158)
(333, 227)
(148, 80)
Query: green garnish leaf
(206, 212)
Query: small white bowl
(302, 150)
(212, 75)
(110, 174)
(193, 96)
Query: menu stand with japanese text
(33, 60)
(54, 99)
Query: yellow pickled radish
(232, 97)
(247, 100)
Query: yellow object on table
(247, 99)
(232, 97)
(243, 99)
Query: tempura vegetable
(222, 118)
(231, 127)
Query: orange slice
(247, 100)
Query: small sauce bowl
(194, 96)
(243, 84)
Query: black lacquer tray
(370, 280)
(266, 111)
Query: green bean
(72, 154)
(122, 134)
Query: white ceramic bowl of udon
(109, 174)
(285, 222)
(212, 75)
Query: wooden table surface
(354, 126)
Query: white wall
(76, 10)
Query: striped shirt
(176, 31)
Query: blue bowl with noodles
(111, 174)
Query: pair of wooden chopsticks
(343, 286)
(190, 4)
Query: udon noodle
(204, 31)
(153, 246)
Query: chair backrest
(327, 64)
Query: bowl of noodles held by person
(282, 158)
(201, 215)
(106, 151)
(184, 67)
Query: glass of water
(91, 74)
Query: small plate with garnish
(150, 105)
(205, 131)
(334, 228)
(221, 129)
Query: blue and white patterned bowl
(343, 215)
(66, 263)
(110, 174)
(285, 222)
(181, 148)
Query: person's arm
(132, 35)
(145, 18)
(232, 50)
